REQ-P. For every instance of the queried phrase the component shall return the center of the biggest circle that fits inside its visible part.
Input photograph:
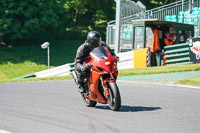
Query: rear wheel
(88, 102)
(114, 100)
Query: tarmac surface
(57, 107)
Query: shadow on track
(125, 108)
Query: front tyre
(114, 100)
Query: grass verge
(22, 59)
(61, 52)
(162, 69)
(195, 81)
(141, 71)
(38, 79)
(11, 70)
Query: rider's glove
(86, 67)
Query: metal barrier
(125, 62)
(197, 33)
(125, 10)
(62, 70)
(172, 9)
(177, 10)
(177, 54)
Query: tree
(88, 12)
(28, 18)
(25, 17)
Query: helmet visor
(95, 43)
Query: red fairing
(103, 70)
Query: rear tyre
(114, 100)
(88, 102)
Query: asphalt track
(56, 107)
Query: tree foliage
(31, 18)
(24, 17)
(89, 12)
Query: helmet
(94, 39)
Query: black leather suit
(83, 53)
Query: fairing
(102, 63)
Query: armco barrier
(62, 70)
(125, 62)
(177, 54)
(26, 76)
(56, 71)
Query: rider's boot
(81, 87)
(81, 82)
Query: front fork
(105, 86)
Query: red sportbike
(100, 83)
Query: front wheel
(114, 100)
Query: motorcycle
(100, 83)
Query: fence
(172, 9)
(177, 54)
(124, 9)
(128, 8)
(181, 11)
(197, 33)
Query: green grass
(166, 69)
(162, 69)
(24, 59)
(195, 81)
(38, 79)
(61, 52)
(11, 70)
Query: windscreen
(100, 52)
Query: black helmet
(94, 39)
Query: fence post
(117, 25)
(192, 4)
(182, 11)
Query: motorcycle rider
(93, 41)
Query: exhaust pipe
(75, 76)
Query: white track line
(3, 131)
